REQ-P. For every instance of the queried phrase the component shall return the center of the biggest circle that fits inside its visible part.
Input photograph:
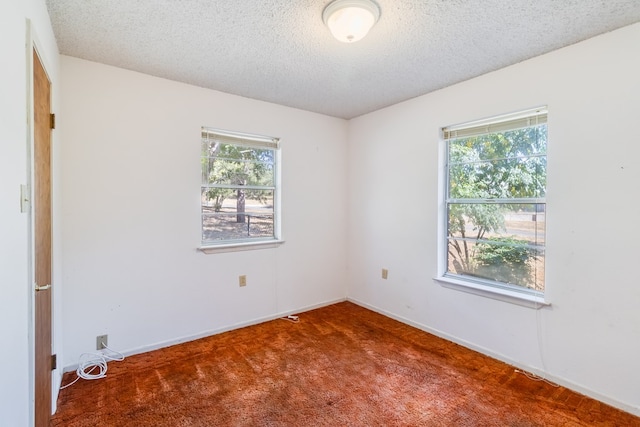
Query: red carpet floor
(341, 365)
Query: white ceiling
(280, 51)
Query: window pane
(521, 177)
(236, 214)
(509, 164)
(502, 242)
(522, 222)
(235, 165)
(237, 172)
(525, 142)
(497, 261)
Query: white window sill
(506, 295)
(240, 246)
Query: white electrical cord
(89, 362)
(291, 318)
(535, 377)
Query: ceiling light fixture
(350, 20)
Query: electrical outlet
(242, 280)
(101, 341)
(385, 273)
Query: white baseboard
(210, 332)
(558, 380)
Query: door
(42, 240)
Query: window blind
(247, 140)
(523, 119)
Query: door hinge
(54, 362)
(52, 120)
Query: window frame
(250, 141)
(516, 294)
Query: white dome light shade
(350, 20)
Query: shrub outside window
(239, 190)
(496, 177)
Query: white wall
(590, 338)
(17, 291)
(130, 146)
(131, 212)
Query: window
(494, 196)
(239, 190)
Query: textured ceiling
(280, 51)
